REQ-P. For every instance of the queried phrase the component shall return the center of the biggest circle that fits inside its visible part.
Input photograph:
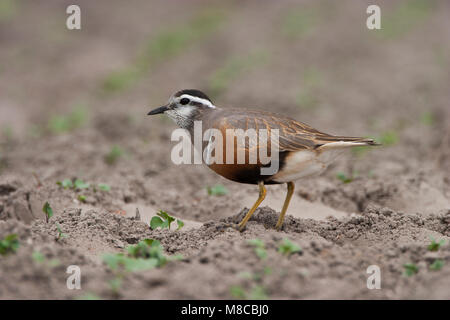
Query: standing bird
(302, 151)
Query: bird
(301, 150)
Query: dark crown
(194, 93)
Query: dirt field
(73, 105)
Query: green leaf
(47, 209)
(217, 190)
(256, 242)
(435, 246)
(66, 183)
(82, 198)
(437, 265)
(237, 292)
(60, 233)
(258, 293)
(9, 244)
(180, 224)
(343, 177)
(114, 155)
(88, 296)
(104, 187)
(260, 249)
(261, 253)
(410, 269)
(38, 257)
(80, 184)
(287, 247)
(156, 222)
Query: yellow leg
(290, 187)
(262, 195)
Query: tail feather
(345, 142)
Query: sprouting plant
(147, 254)
(287, 247)
(435, 246)
(47, 209)
(257, 290)
(66, 183)
(344, 178)
(388, 138)
(88, 296)
(60, 233)
(38, 257)
(217, 190)
(437, 265)
(180, 224)
(82, 198)
(114, 155)
(260, 248)
(80, 184)
(237, 292)
(9, 244)
(427, 118)
(104, 187)
(163, 220)
(410, 269)
(65, 123)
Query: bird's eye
(184, 101)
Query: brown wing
(293, 135)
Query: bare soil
(330, 72)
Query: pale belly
(305, 163)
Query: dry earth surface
(73, 106)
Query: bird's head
(185, 106)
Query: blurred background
(73, 103)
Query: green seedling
(388, 138)
(60, 124)
(260, 248)
(114, 155)
(437, 265)
(9, 244)
(82, 198)
(427, 118)
(238, 292)
(66, 183)
(287, 247)
(180, 224)
(435, 246)
(104, 187)
(163, 220)
(60, 233)
(48, 211)
(410, 269)
(38, 257)
(115, 284)
(344, 178)
(257, 292)
(147, 254)
(80, 184)
(217, 190)
(88, 296)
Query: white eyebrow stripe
(199, 100)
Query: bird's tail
(345, 142)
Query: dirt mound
(331, 263)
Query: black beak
(158, 110)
